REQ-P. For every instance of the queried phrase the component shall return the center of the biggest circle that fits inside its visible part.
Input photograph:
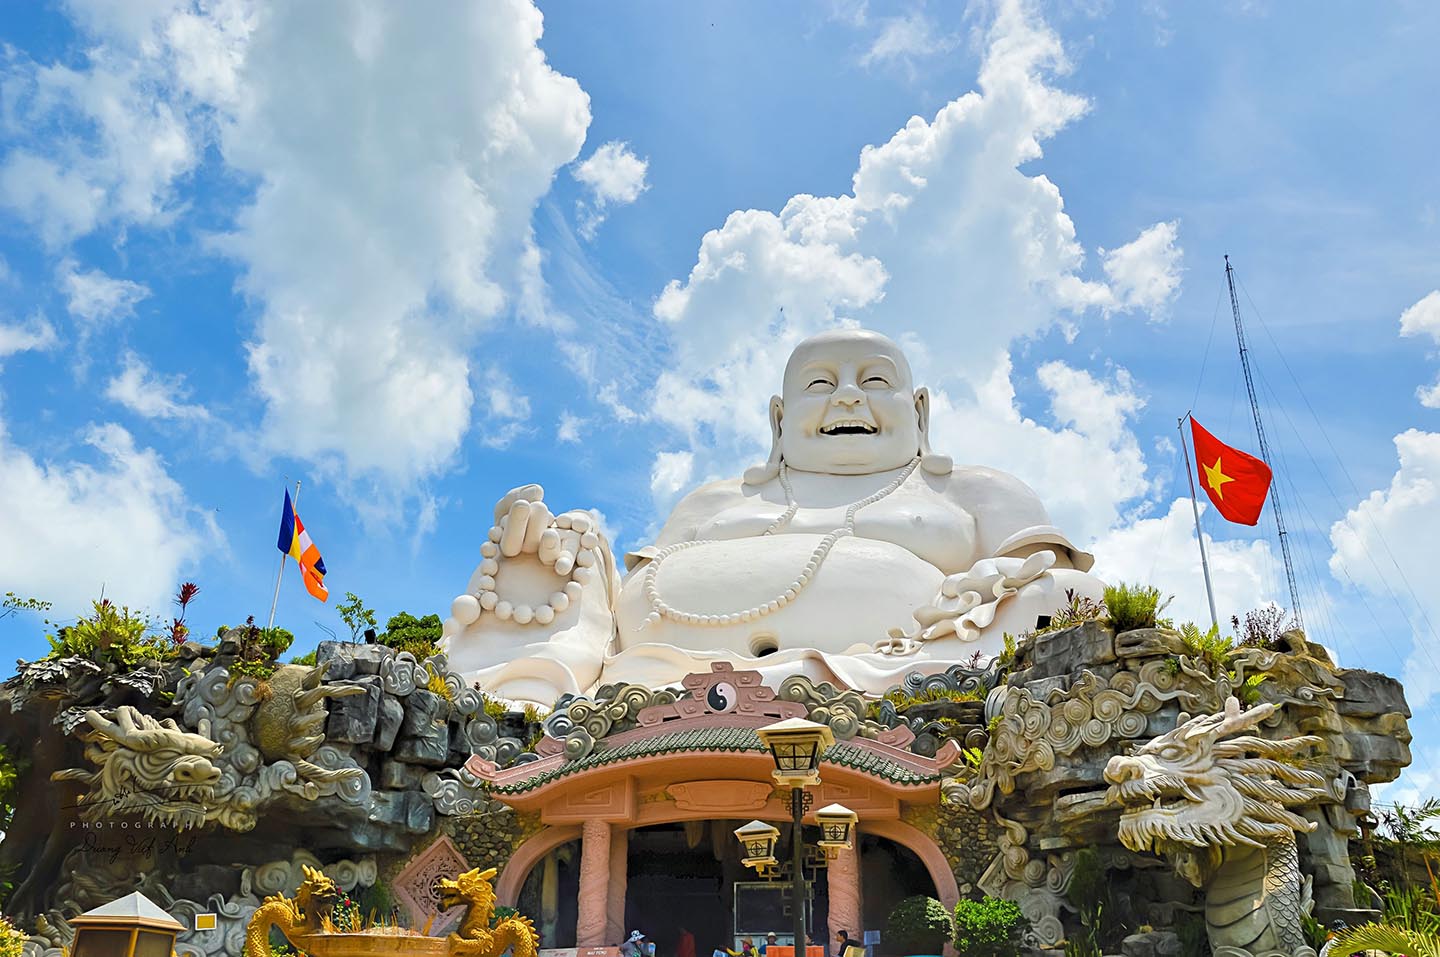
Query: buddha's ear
(932, 462)
(760, 474)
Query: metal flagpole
(1199, 535)
(294, 504)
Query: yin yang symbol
(721, 696)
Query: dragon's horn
(487, 874)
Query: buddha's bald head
(836, 343)
(849, 405)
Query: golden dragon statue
(306, 914)
(475, 937)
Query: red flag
(1236, 483)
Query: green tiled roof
(844, 754)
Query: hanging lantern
(837, 825)
(757, 844)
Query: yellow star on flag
(1216, 478)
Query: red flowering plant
(178, 629)
(346, 916)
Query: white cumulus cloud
(146, 125)
(377, 257)
(153, 396)
(121, 522)
(33, 334)
(508, 410)
(93, 297)
(1385, 544)
(1423, 319)
(614, 176)
(907, 38)
(1145, 274)
(1161, 551)
(396, 158)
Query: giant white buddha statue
(854, 555)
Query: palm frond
(1386, 937)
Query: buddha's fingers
(529, 493)
(565, 563)
(535, 526)
(549, 547)
(512, 535)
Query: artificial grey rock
(387, 723)
(1148, 643)
(368, 658)
(399, 776)
(430, 748)
(419, 812)
(1156, 943)
(353, 717)
(338, 665)
(1067, 651)
(422, 709)
(1368, 694)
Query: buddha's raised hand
(525, 533)
(526, 526)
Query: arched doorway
(889, 873)
(551, 894)
(688, 875)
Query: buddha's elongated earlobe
(932, 462)
(760, 474)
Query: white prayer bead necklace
(659, 609)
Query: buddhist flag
(295, 542)
(1236, 483)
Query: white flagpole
(1199, 535)
(294, 504)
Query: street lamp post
(796, 746)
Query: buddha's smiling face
(848, 405)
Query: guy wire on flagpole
(294, 503)
(1199, 535)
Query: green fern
(1209, 646)
(1249, 691)
(1129, 607)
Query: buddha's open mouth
(848, 427)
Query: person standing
(634, 946)
(770, 938)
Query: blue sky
(414, 261)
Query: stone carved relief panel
(417, 886)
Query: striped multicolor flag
(295, 542)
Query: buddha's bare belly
(863, 588)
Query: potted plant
(917, 925)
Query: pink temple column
(590, 925)
(615, 930)
(843, 875)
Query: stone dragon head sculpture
(148, 768)
(1190, 793)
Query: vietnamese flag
(1236, 482)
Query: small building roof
(133, 908)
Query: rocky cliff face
(207, 781)
(1078, 697)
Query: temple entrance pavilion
(670, 789)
